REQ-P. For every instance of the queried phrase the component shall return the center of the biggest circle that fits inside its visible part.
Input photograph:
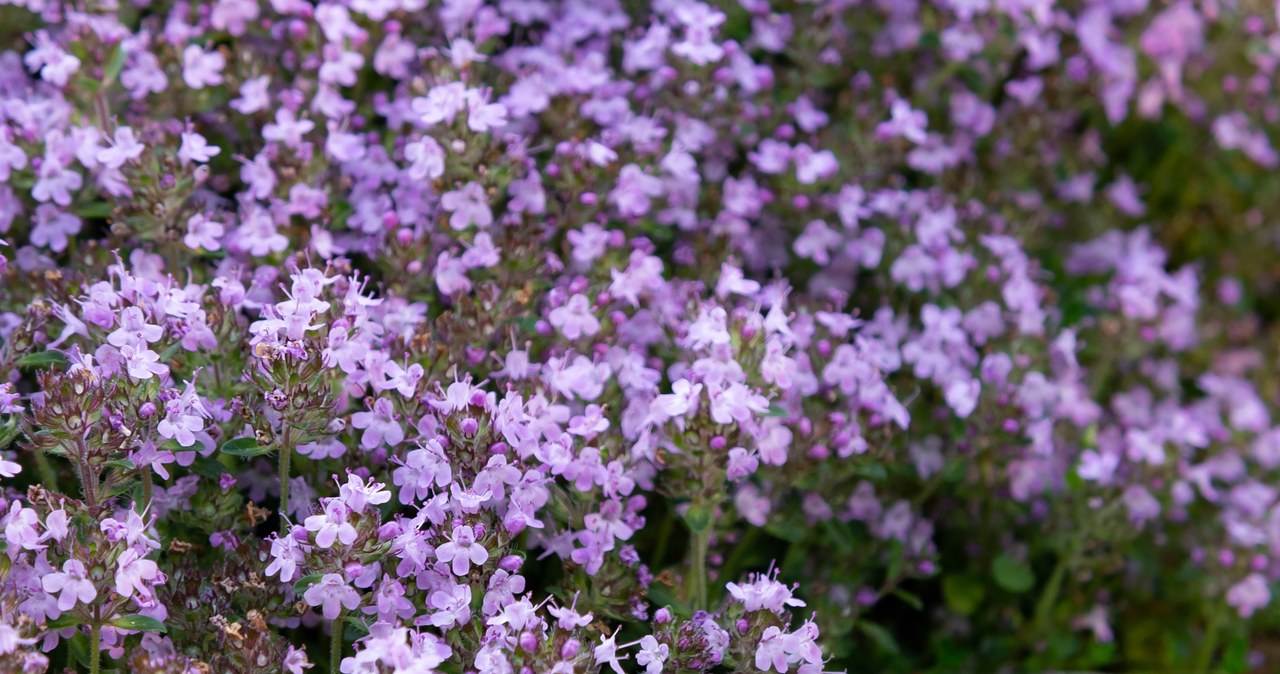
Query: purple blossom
(333, 595)
(462, 551)
(72, 585)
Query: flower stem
(1203, 663)
(335, 643)
(47, 474)
(286, 455)
(95, 649)
(1049, 597)
(147, 488)
(701, 541)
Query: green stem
(700, 542)
(1203, 663)
(664, 535)
(95, 650)
(729, 571)
(286, 455)
(1049, 597)
(147, 488)
(47, 474)
(335, 643)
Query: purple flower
(134, 573)
(905, 122)
(653, 655)
(72, 585)
(203, 233)
(333, 594)
(134, 329)
(634, 191)
(200, 68)
(124, 149)
(574, 318)
(53, 228)
(55, 182)
(461, 551)
(468, 206)
(379, 424)
(287, 129)
(452, 604)
(332, 525)
(196, 149)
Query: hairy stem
(286, 455)
(147, 488)
(700, 542)
(1049, 597)
(1203, 663)
(47, 474)
(335, 643)
(95, 650)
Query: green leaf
(355, 628)
(139, 623)
(883, 638)
(963, 594)
(122, 464)
(910, 599)
(63, 621)
(1012, 575)
(95, 209)
(209, 467)
(698, 518)
(306, 581)
(8, 431)
(776, 410)
(244, 447)
(114, 65)
(838, 534)
(785, 532)
(42, 359)
(79, 647)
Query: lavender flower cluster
(669, 336)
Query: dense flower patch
(551, 336)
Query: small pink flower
(332, 594)
(462, 551)
(72, 585)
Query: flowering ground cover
(620, 336)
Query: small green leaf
(139, 623)
(209, 467)
(63, 621)
(114, 65)
(244, 447)
(698, 518)
(122, 464)
(910, 599)
(963, 594)
(356, 628)
(839, 535)
(776, 410)
(42, 359)
(79, 647)
(1012, 575)
(8, 431)
(306, 581)
(95, 209)
(883, 638)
